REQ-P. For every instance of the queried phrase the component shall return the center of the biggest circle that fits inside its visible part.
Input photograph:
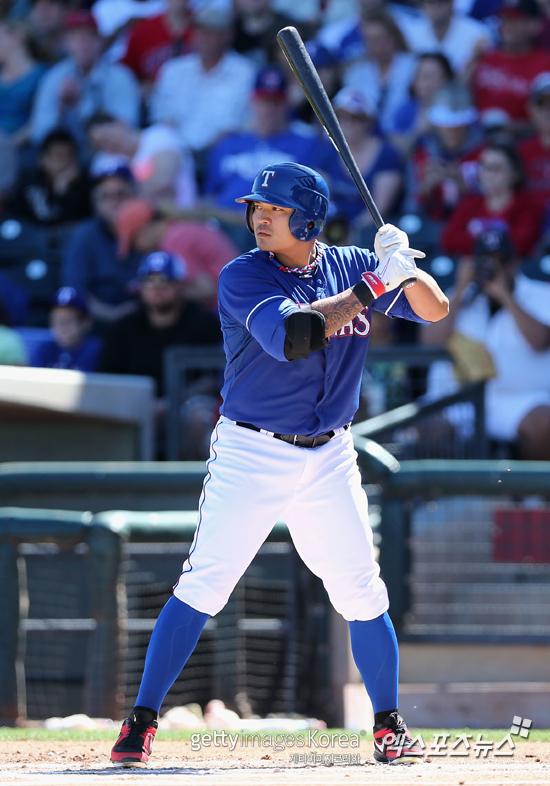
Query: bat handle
(408, 282)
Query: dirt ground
(83, 763)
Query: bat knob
(408, 283)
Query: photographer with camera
(497, 309)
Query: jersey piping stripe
(201, 502)
(394, 301)
(273, 297)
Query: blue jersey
(310, 396)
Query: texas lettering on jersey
(358, 326)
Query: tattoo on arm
(338, 310)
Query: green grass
(106, 735)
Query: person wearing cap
(379, 162)
(502, 199)
(83, 83)
(493, 304)
(91, 262)
(236, 158)
(153, 42)
(502, 77)
(444, 161)
(58, 190)
(71, 346)
(167, 318)
(535, 150)
(142, 229)
(205, 94)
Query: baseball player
(295, 318)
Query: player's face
(271, 228)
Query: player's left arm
(426, 298)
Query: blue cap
(271, 83)
(68, 297)
(172, 267)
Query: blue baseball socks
(374, 648)
(174, 638)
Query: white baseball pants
(252, 481)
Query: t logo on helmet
(267, 173)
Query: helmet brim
(275, 201)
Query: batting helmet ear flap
(249, 211)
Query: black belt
(299, 440)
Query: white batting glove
(396, 263)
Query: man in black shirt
(136, 343)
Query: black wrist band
(363, 292)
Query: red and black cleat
(393, 743)
(133, 747)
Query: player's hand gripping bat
(306, 74)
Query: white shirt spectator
(203, 105)
(523, 374)
(153, 141)
(465, 38)
(365, 77)
(108, 87)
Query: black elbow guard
(305, 333)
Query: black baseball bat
(306, 74)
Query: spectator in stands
(206, 250)
(153, 42)
(502, 203)
(385, 76)
(163, 170)
(442, 29)
(167, 317)
(205, 94)
(503, 76)
(343, 41)
(256, 25)
(71, 346)
(410, 121)
(19, 77)
(12, 346)
(92, 264)
(494, 305)
(444, 163)
(236, 159)
(58, 191)
(47, 21)
(535, 150)
(82, 84)
(378, 161)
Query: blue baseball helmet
(292, 185)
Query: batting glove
(396, 260)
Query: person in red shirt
(502, 78)
(535, 150)
(205, 249)
(502, 204)
(154, 41)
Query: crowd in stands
(129, 127)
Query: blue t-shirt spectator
(237, 159)
(82, 358)
(16, 100)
